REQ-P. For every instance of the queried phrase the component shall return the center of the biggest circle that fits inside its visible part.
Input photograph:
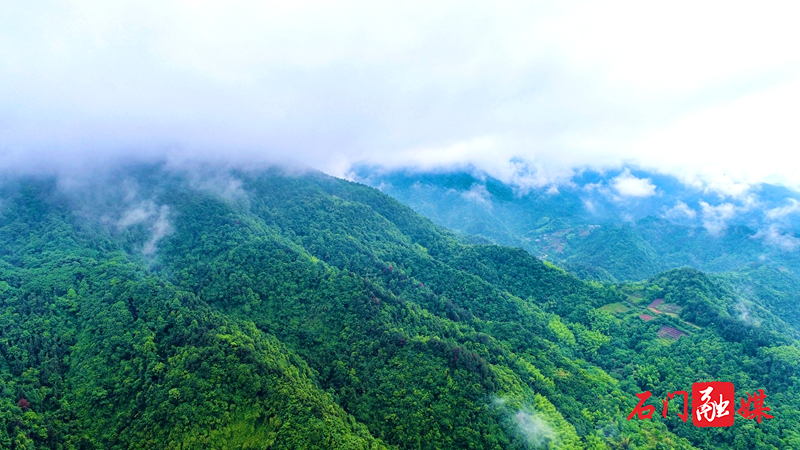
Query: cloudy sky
(707, 91)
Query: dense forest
(748, 243)
(155, 307)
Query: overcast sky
(709, 92)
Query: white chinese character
(711, 409)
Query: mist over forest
(360, 225)
(282, 307)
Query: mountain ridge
(588, 228)
(375, 326)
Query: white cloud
(715, 218)
(161, 228)
(529, 92)
(478, 194)
(536, 431)
(158, 218)
(628, 185)
(220, 184)
(589, 187)
(780, 212)
(531, 425)
(775, 237)
(136, 215)
(680, 211)
(731, 145)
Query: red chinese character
(643, 412)
(671, 395)
(756, 401)
(712, 404)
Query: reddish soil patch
(655, 304)
(646, 317)
(670, 333)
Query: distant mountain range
(622, 225)
(161, 307)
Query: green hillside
(584, 227)
(162, 308)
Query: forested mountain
(624, 226)
(152, 307)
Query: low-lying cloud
(136, 215)
(715, 218)
(478, 194)
(161, 228)
(526, 423)
(774, 236)
(628, 185)
(155, 218)
(780, 212)
(528, 92)
(536, 431)
(680, 212)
